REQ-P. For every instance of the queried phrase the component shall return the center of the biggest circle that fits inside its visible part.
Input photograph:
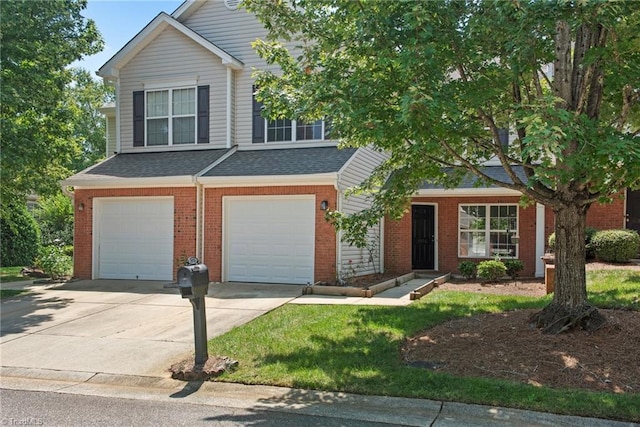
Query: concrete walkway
(118, 339)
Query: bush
(53, 261)
(468, 269)
(19, 236)
(54, 215)
(589, 232)
(491, 270)
(514, 267)
(616, 245)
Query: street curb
(380, 409)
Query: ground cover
(374, 350)
(12, 274)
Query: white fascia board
(467, 192)
(268, 180)
(112, 67)
(110, 182)
(187, 8)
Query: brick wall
(184, 227)
(398, 234)
(325, 235)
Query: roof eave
(330, 178)
(84, 183)
(467, 192)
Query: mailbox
(193, 281)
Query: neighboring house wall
(325, 236)
(353, 260)
(169, 59)
(184, 222)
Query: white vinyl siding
(174, 57)
(355, 260)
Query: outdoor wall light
(81, 207)
(324, 205)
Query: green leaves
(39, 40)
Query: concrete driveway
(121, 327)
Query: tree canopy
(39, 39)
(434, 83)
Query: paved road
(56, 409)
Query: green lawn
(357, 349)
(12, 274)
(6, 293)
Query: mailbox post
(193, 282)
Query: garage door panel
(135, 238)
(270, 240)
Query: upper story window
(171, 116)
(285, 130)
(486, 231)
(282, 130)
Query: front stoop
(372, 290)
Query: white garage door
(133, 238)
(269, 239)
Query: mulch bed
(507, 346)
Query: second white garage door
(269, 239)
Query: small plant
(468, 269)
(54, 262)
(491, 270)
(616, 245)
(514, 267)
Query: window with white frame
(171, 116)
(486, 231)
(282, 130)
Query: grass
(7, 293)
(12, 274)
(357, 349)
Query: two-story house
(196, 170)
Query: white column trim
(540, 241)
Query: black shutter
(503, 135)
(258, 120)
(203, 115)
(138, 119)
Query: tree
(84, 97)
(39, 40)
(433, 82)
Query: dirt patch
(507, 346)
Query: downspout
(229, 101)
(338, 232)
(118, 142)
(199, 218)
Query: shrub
(19, 236)
(514, 267)
(54, 215)
(468, 269)
(616, 245)
(491, 270)
(589, 232)
(54, 262)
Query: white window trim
(488, 230)
(170, 116)
(293, 133)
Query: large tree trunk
(570, 307)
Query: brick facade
(398, 233)
(325, 235)
(184, 239)
(184, 226)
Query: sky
(119, 21)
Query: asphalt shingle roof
(288, 161)
(471, 181)
(152, 165)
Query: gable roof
(112, 67)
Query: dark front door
(423, 237)
(633, 210)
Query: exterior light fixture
(81, 207)
(324, 205)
